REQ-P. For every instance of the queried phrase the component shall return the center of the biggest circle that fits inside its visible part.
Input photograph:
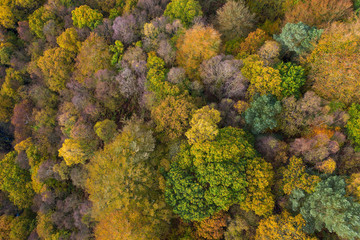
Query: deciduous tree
(85, 16)
(197, 44)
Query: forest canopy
(179, 119)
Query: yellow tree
(69, 40)
(284, 227)
(260, 176)
(294, 176)
(203, 125)
(172, 116)
(263, 80)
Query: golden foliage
(294, 176)
(260, 176)
(263, 80)
(284, 227)
(335, 63)
(197, 44)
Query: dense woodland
(179, 120)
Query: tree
(16, 181)
(132, 225)
(260, 177)
(84, 16)
(69, 40)
(210, 176)
(117, 49)
(22, 226)
(106, 130)
(212, 228)
(329, 62)
(263, 80)
(319, 12)
(282, 226)
(203, 125)
(94, 55)
(5, 226)
(172, 116)
(38, 19)
(6, 51)
(329, 207)
(156, 78)
(7, 17)
(121, 176)
(267, 9)
(292, 79)
(185, 10)
(270, 52)
(353, 186)
(56, 66)
(295, 177)
(127, 28)
(76, 151)
(353, 125)
(222, 77)
(298, 37)
(13, 81)
(21, 120)
(235, 19)
(262, 113)
(197, 44)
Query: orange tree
(197, 44)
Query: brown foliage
(319, 12)
(22, 120)
(212, 228)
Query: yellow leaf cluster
(263, 80)
(284, 227)
(294, 176)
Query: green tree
(84, 16)
(329, 207)
(6, 51)
(156, 78)
(13, 80)
(208, 177)
(203, 125)
(353, 125)
(56, 65)
(105, 130)
(292, 79)
(262, 113)
(16, 181)
(298, 37)
(22, 226)
(117, 49)
(185, 10)
(38, 19)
